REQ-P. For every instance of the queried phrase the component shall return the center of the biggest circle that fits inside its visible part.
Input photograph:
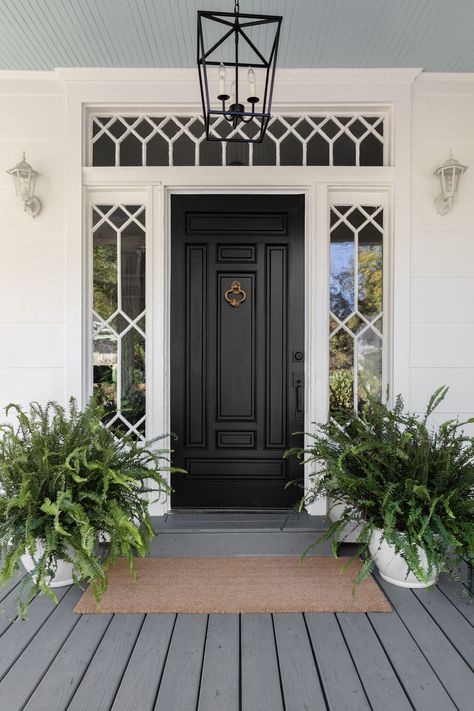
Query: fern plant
(394, 472)
(65, 479)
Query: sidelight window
(118, 314)
(356, 321)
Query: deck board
(420, 682)
(456, 594)
(18, 635)
(450, 620)
(104, 673)
(451, 669)
(140, 681)
(179, 688)
(58, 685)
(378, 677)
(221, 666)
(466, 574)
(28, 670)
(341, 683)
(8, 609)
(416, 657)
(261, 686)
(299, 678)
(11, 585)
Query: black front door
(237, 348)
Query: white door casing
(155, 186)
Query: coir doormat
(238, 584)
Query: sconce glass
(449, 174)
(24, 177)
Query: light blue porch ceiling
(43, 34)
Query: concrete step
(238, 534)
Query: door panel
(276, 352)
(237, 315)
(236, 350)
(196, 321)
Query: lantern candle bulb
(252, 83)
(222, 76)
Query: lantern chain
(236, 7)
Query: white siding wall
(32, 252)
(32, 287)
(442, 247)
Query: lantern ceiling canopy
(236, 56)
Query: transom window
(319, 139)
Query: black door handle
(298, 384)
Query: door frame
(309, 329)
(175, 90)
(319, 193)
(318, 197)
(271, 205)
(155, 188)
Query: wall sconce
(449, 174)
(24, 177)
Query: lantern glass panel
(457, 172)
(23, 184)
(449, 181)
(26, 185)
(16, 181)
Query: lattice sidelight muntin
(356, 305)
(118, 317)
(324, 139)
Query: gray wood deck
(420, 657)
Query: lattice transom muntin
(118, 315)
(326, 138)
(356, 299)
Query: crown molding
(178, 75)
(179, 88)
(428, 77)
(444, 83)
(18, 74)
(13, 82)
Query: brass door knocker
(231, 294)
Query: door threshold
(220, 517)
(228, 511)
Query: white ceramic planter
(350, 531)
(63, 575)
(393, 567)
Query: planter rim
(393, 567)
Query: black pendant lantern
(236, 77)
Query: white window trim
(376, 197)
(111, 88)
(381, 112)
